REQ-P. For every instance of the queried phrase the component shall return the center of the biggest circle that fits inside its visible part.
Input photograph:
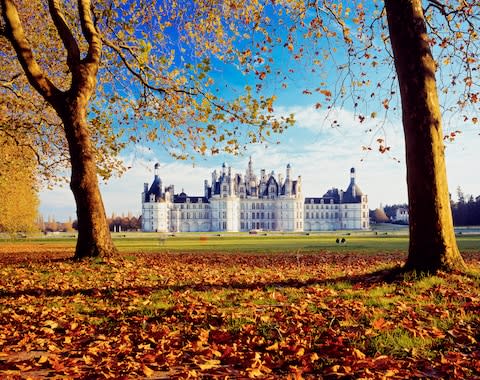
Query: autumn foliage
(217, 315)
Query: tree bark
(94, 238)
(432, 243)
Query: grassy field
(236, 306)
(376, 241)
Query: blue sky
(320, 153)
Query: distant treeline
(122, 223)
(466, 211)
(116, 223)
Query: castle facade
(244, 202)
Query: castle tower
(352, 182)
(288, 182)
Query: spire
(156, 169)
(352, 176)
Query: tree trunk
(432, 238)
(94, 238)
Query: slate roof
(182, 198)
(155, 188)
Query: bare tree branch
(90, 32)
(69, 42)
(16, 35)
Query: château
(243, 202)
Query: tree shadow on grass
(367, 280)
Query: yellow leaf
(209, 364)
(358, 354)
(87, 359)
(147, 371)
(273, 347)
(52, 324)
(300, 352)
(43, 359)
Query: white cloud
(323, 161)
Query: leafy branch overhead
(155, 79)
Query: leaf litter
(220, 315)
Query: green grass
(400, 343)
(358, 241)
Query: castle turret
(288, 182)
(352, 182)
(352, 194)
(205, 189)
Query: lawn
(236, 307)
